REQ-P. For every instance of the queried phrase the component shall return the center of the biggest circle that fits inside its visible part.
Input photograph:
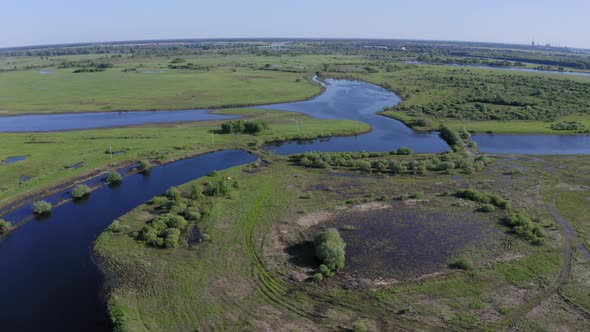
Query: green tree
(41, 208)
(80, 191)
(5, 227)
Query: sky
(40, 22)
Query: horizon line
(165, 40)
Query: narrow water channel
(48, 280)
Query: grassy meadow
(261, 283)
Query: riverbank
(49, 153)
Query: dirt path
(570, 232)
(570, 237)
(570, 240)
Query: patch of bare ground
(413, 202)
(233, 288)
(313, 219)
(370, 206)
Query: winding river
(49, 280)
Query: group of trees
(567, 125)
(494, 96)
(330, 250)
(523, 227)
(177, 209)
(483, 198)
(243, 127)
(387, 162)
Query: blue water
(79, 121)
(12, 160)
(533, 144)
(352, 100)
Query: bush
(452, 138)
(487, 208)
(164, 231)
(523, 227)
(159, 201)
(197, 192)
(241, 126)
(171, 237)
(220, 188)
(5, 226)
(173, 193)
(41, 208)
(80, 191)
(404, 151)
(117, 228)
(114, 177)
(418, 195)
(318, 277)
(462, 264)
(330, 249)
(360, 326)
(483, 198)
(144, 165)
(325, 271)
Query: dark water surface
(48, 279)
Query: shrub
(241, 126)
(487, 208)
(171, 237)
(360, 326)
(418, 195)
(114, 177)
(164, 231)
(80, 191)
(158, 201)
(220, 188)
(41, 208)
(5, 226)
(197, 192)
(193, 215)
(483, 198)
(117, 228)
(173, 193)
(404, 151)
(523, 227)
(144, 165)
(318, 277)
(452, 138)
(330, 249)
(325, 271)
(462, 264)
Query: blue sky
(33, 22)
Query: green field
(256, 283)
